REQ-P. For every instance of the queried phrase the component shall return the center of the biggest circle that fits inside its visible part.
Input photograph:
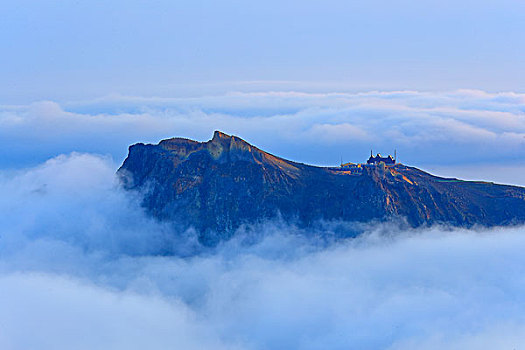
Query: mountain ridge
(221, 184)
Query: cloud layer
(427, 129)
(82, 267)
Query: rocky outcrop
(218, 185)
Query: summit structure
(389, 160)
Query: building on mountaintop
(380, 159)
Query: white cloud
(82, 267)
(335, 133)
(427, 128)
(41, 311)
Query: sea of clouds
(82, 266)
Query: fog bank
(82, 267)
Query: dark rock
(217, 186)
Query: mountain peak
(219, 135)
(223, 143)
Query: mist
(82, 266)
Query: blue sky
(441, 81)
(313, 81)
(62, 50)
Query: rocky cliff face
(218, 185)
